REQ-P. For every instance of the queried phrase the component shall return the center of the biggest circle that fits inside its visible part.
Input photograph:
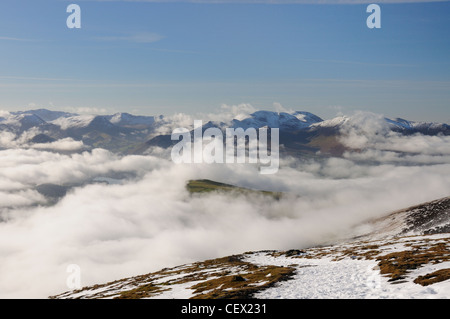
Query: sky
(164, 57)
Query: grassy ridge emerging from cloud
(206, 186)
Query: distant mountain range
(300, 132)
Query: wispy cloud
(176, 51)
(359, 63)
(17, 39)
(149, 37)
(29, 78)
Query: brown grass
(397, 264)
(434, 277)
(231, 278)
(143, 291)
(242, 286)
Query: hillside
(405, 254)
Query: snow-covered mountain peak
(21, 120)
(307, 117)
(75, 121)
(334, 122)
(282, 120)
(129, 120)
(400, 124)
(47, 115)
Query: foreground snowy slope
(404, 255)
(406, 267)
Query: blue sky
(162, 57)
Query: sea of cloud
(148, 220)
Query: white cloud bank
(149, 221)
(370, 134)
